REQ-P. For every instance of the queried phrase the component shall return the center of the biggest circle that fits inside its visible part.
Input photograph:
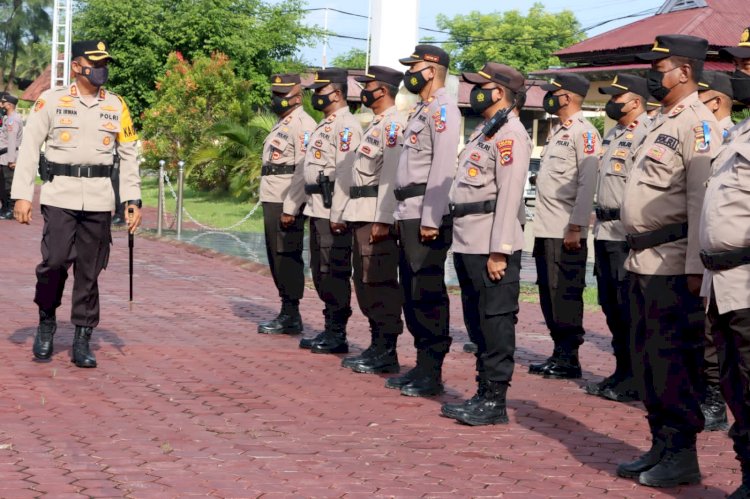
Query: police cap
(427, 53)
(626, 83)
(676, 45)
(382, 74)
(326, 76)
(497, 73)
(741, 51)
(715, 80)
(93, 50)
(568, 81)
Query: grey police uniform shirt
(567, 178)
(375, 164)
(725, 219)
(429, 156)
(618, 153)
(331, 150)
(285, 145)
(492, 168)
(10, 137)
(667, 184)
(78, 132)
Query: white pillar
(394, 31)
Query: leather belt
(463, 209)
(315, 188)
(667, 234)
(725, 260)
(3, 150)
(276, 169)
(80, 171)
(363, 191)
(607, 214)
(409, 191)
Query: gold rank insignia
(65, 137)
(617, 167)
(101, 46)
(317, 155)
(109, 126)
(629, 136)
(107, 140)
(567, 123)
(473, 171)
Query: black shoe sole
(548, 375)
(394, 386)
(482, 422)
(82, 365)
(42, 357)
(279, 331)
(376, 370)
(692, 479)
(334, 350)
(422, 393)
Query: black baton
(131, 238)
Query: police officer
(81, 125)
(487, 236)
(283, 154)
(11, 133)
(327, 177)
(425, 173)
(715, 90)
(565, 193)
(369, 213)
(661, 213)
(627, 107)
(725, 225)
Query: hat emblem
(316, 76)
(101, 46)
(657, 48)
(745, 36)
(278, 79)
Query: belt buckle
(452, 208)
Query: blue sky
(588, 13)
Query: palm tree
(26, 23)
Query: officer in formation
(327, 175)
(81, 125)
(369, 214)
(661, 212)
(627, 106)
(565, 192)
(715, 91)
(725, 252)
(425, 173)
(488, 238)
(283, 156)
(11, 132)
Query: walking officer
(369, 214)
(283, 154)
(80, 124)
(425, 173)
(11, 132)
(725, 251)
(487, 236)
(661, 214)
(627, 107)
(327, 173)
(565, 195)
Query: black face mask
(414, 81)
(280, 104)
(614, 109)
(368, 97)
(3, 111)
(97, 76)
(551, 103)
(481, 99)
(322, 101)
(741, 86)
(655, 86)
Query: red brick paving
(189, 401)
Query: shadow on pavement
(64, 338)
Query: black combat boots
(490, 409)
(543, 366)
(678, 465)
(648, 460)
(743, 491)
(288, 321)
(44, 335)
(398, 382)
(383, 359)
(454, 410)
(566, 366)
(429, 382)
(334, 337)
(82, 355)
(714, 409)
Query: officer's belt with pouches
(463, 209)
(276, 170)
(315, 188)
(363, 191)
(409, 191)
(667, 234)
(607, 214)
(80, 171)
(725, 260)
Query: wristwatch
(137, 202)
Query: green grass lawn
(529, 294)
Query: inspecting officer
(487, 236)
(283, 154)
(11, 132)
(565, 193)
(661, 213)
(627, 107)
(327, 176)
(369, 214)
(725, 251)
(81, 125)
(425, 173)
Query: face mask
(280, 104)
(368, 97)
(552, 103)
(614, 109)
(741, 86)
(481, 99)
(654, 84)
(97, 76)
(414, 81)
(3, 111)
(322, 101)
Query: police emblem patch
(473, 171)
(505, 150)
(475, 156)
(589, 143)
(38, 105)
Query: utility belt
(409, 191)
(667, 234)
(607, 214)
(463, 209)
(363, 191)
(48, 170)
(324, 187)
(276, 170)
(725, 260)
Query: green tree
(353, 59)
(26, 21)
(523, 42)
